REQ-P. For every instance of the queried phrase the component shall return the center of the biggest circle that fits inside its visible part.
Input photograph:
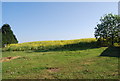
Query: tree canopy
(107, 32)
(7, 35)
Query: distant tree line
(108, 31)
(7, 35)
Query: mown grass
(64, 59)
(80, 64)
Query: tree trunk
(112, 40)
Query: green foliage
(7, 35)
(107, 31)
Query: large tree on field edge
(107, 32)
(7, 35)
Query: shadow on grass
(111, 52)
(71, 47)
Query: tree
(7, 35)
(107, 31)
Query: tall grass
(47, 45)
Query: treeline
(7, 35)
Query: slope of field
(80, 64)
(68, 59)
(52, 45)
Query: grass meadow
(68, 59)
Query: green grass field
(79, 60)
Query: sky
(40, 21)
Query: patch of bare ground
(5, 59)
(53, 69)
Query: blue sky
(38, 21)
